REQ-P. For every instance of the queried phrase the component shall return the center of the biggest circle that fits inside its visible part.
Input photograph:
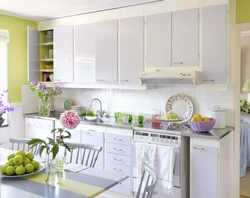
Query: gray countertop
(184, 129)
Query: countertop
(183, 129)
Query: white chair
(20, 144)
(85, 154)
(148, 182)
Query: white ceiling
(40, 10)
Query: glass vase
(60, 160)
(44, 107)
(51, 173)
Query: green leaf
(66, 146)
(35, 140)
(55, 150)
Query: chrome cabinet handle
(124, 80)
(91, 130)
(117, 139)
(198, 148)
(208, 80)
(117, 159)
(99, 79)
(117, 149)
(117, 169)
(85, 132)
(178, 62)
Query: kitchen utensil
(156, 113)
(219, 114)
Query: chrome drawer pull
(208, 80)
(198, 148)
(85, 132)
(124, 80)
(117, 149)
(117, 169)
(178, 62)
(91, 130)
(117, 139)
(117, 159)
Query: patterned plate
(181, 105)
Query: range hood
(170, 78)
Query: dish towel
(144, 153)
(75, 167)
(165, 158)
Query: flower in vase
(70, 120)
(4, 106)
(44, 94)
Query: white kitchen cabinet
(94, 135)
(211, 167)
(63, 54)
(131, 49)
(106, 51)
(214, 44)
(158, 40)
(33, 55)
(84, 67)
(118, 155)
(185, 38)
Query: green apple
(26, 161)
(21, 152)
(12, 155)
(10, 170)
(35, 164)
(20, 170)
(29, 168)
(18, 159)
(3, 168)
(30, 155)
(10, 162)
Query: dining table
(89, 182)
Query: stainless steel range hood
(170, 78)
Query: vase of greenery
(70, 120)
(44, 94)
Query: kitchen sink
(94, 119)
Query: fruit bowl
(204, 126)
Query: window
(4, 39)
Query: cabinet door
(95, 138)
(106, 51)
(63, 54)
(214, 44)
(84, 67)
(33, 55)
(204, 171)
(131, 49)
(158, 40)
(185, 37)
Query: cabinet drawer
(93, 137)
(118, 149)
(118, 139)
(118, 159)
(118, 168)
(123, 187)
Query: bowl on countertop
(202, 127)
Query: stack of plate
(78, 109)
(62, 104)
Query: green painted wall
(242, 11)
(17, 54)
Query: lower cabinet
(118, 156)
(211, 167)
(91, 134)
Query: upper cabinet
(158, 40)
(131, 49)
(84, 67)
(185, 38)
(96, 52)
(63, 54)
(214, 44)
(106, 35)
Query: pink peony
(70, 119)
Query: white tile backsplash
(143, 101)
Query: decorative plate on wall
(181, 105)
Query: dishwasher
(39, 128)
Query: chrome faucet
(100, 111)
